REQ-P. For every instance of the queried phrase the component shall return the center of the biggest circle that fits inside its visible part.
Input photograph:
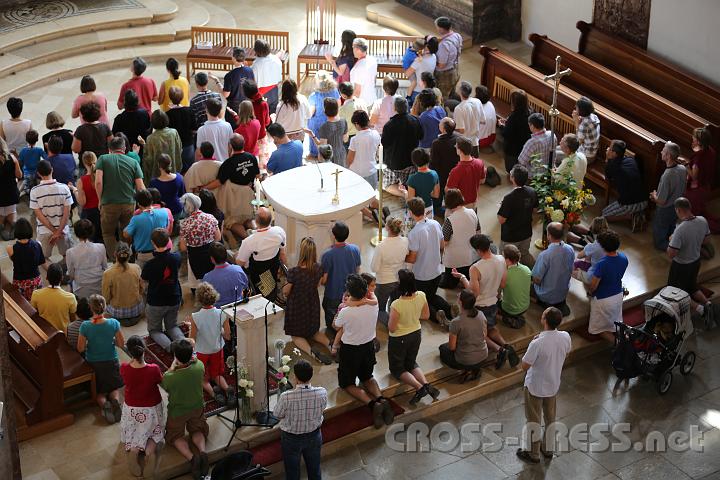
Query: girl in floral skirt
(143, 420)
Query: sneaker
(195, 467)
(434, 392)
(513, 358)
(107, 412)
(377, 412)
(442, 319)
(231, 397)
(388, 415)
(204, 464)
(134, 466)
(418, 396)
(500, 358)
(116, 409)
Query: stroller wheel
(687, 363)
(665, 382)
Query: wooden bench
(659, 115)
(388, 50)
(502, 74)
(223, 40)
(47, 373)
(658, 75)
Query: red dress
(262, 113)
(91, 196)
(251, 133)
(705, 161)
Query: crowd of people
(167, 190)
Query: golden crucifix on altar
(336, 197)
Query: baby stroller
(655, 348)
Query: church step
(405, 20)
(153, 47)
(154, 11)
(189, 13)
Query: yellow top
(55, 305)
(184, 86)
(409, 311)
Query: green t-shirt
(119, 174)
(184, 387)
(516, 295)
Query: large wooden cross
(554, 112)
(336, 198)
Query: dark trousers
(447, 357)
(271, 96)
(330, 307)
(663, 226)
(386, 293)
(305, 445)
(188, 158)
(435, 302)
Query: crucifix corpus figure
(336, 197)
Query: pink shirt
(384, 110)
(145, 89)
(97, 97)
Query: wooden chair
(321, 21)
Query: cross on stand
(336, 197)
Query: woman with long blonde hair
(248, 127)
(302, 313)
(10, 173)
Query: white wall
(686, 33)
(557, 18)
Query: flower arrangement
(560, 197)
(245, 388)
(283, 369)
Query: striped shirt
(301, 410)
(540, 142)
(197, 105)
(50, 197)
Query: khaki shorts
(194, 421)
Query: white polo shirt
(267, 70)
(262, 245)
(364, 73)
(365, 145)
(546, 353)
(469, 115)
(358, 324)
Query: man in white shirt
(267, 69)
(364, 72)
(356, 357)
(469, 115)
(264, 249)
(543, 363)
(215, 130)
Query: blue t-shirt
(554, 267)
(425, 239)
(100, 340)
(63, 167)
(430, 122)
(141, 226)
(610, 271)
(424, 183)
(170, 192)
(338, 262)
(224, 278)
(29, 158)
(287, 156)
(408, 57)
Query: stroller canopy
(674, 302)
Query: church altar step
(188, 13)
(154, 11)
(405, 20)
(86, 53)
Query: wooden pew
(502, 74)
(388, 50)
(223, 40)
(45, 369)
(656, 74)
(646, 108)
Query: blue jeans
(308, 446)
(663, 226)
(188, 158)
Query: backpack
(625, 361)
(238, 466)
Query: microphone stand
(237, 421)
(317, 164)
